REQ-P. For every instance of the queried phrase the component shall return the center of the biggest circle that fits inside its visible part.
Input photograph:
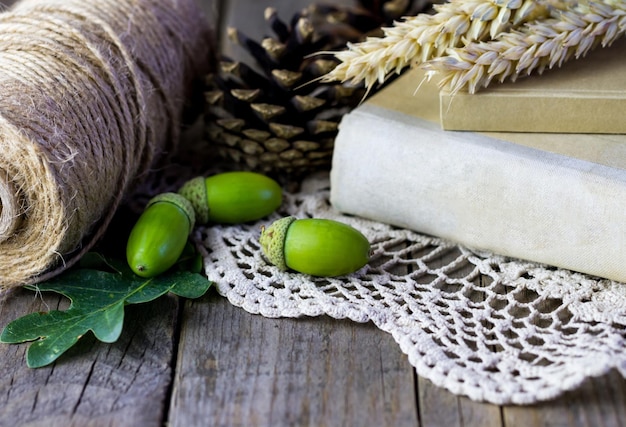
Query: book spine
(481, 192)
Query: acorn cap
(179, 201)
(273, 241)
(194, 190)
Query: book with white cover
(552, 198)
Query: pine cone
(275, 116)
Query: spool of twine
(92, 92)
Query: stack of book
(534, 169)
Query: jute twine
(91, 93)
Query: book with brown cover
(587, 95)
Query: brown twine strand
(92, 92)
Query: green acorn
(319, 247)
(232, 197)
(159, 236)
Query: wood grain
(599, 402)
(239, 369)
(93, 384)
(439, 408)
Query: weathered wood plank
(599, 402)
(239, 369)
(440, 408)
(93, 384)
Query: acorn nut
(159, 236)
(232, 197)
(319, 247)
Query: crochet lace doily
(491, 328)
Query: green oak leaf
(97, 304)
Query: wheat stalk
(533, 48)
(419, 38)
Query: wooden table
(207, 363)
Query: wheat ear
(533, 48)
(418, 38)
